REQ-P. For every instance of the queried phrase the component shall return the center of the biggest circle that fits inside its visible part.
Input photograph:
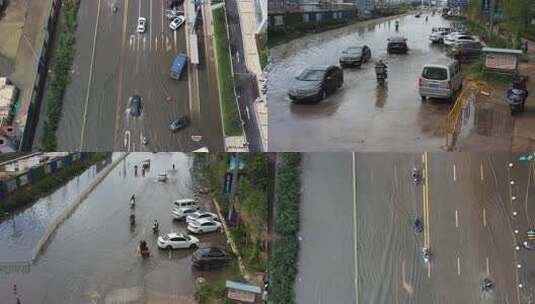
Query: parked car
(438, 36)
(204, 225)
(201, 215)
(397, 45)
(179, 123)
(355, 56)
(134, 105)
(210, 257)
(185, 202)
(440, 80)
(178, 66)
(141, 24)
(182, 213)
(177, 241)
(465, 49)
(162, 177)
(177, 22)
(314, 84)
(451, 38)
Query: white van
(186, 202)
(440, 80)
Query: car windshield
(434, 73)
(353, 50)
(311, 75)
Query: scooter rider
(381, 71)
(132, 219)
(133, 197)
(155, 226)
(397, 24)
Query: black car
(134, 105)
(397, 45)
(210, 257)
(179, 123)
(173, 3)
(355, 56)
(314, 84)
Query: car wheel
(169, 247)
(423, 98)
(192, 246)
(200, 231)
(323, 94)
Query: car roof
(204, 220)
(185, 200)
(175, 234)
(186, 208)
(397, 39)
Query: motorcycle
(115, 9)
(517, 95)
(426, 254)
(143, 249)
(132, 220)
(419, 225)
(381, 73)
(155, 228)
(416, 176)
(145, 141)
(487, 285)
(397, 25)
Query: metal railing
(452, 124)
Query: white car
(438, 36)
(201, 215)
(452, 39)
(177, 240)
(141, 24)
(204, 225)
(181, 213)
(162, 177)
(177, 22)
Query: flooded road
(92, 257)
(360, 116)
(20, 233)
(326, 247)
(473, 217)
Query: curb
(54, 226)
(233, 246)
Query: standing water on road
(93, 258)
(361, 115)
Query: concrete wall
(292, 19)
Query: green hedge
(231, 115)
(30, 194)
(283, 260)
(62, 59)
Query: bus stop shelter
(504, 61)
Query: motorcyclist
(397, 24)
(143, 249)
(415, 174)
(426, 254)
(418, 224)
(114, 8)
(381, 70)
(133, 197)
(155, 226)
(487, 284)
(426, 18)
(145, 140)
(132, 219)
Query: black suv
(314, 84)
(134, 105)
(355, 56)
(210, 257)
(397, 45)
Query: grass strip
(283, 260)
(62, 59)
(231, 115)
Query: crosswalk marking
(139, 43)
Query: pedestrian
(525, 47)
(18, 300)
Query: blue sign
(227, 184)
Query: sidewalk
(249, 25)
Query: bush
(283, 261)
(62, 59)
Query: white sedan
(141, 24)
(162, 177)
(177, 241)
(177, 22)
(201, 215)
(204, 226)
(181, 213)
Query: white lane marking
(355, 227)
(484, 217)
(139, 9)
(408, 288)
(132, 42)
(238, 56)
(247, 111)
(176, 44)
(488, 265)
(458, 266)
(163, 12)
(144, 43)
(457, 218)
(127, 135)
(82, 135)
(454, 173)
(481, 171)
(168, 43)
(150, 27)
(156, 44)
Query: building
(365, 5)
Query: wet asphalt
(93, 257)
(470, 229)
(361, 116)
(125, 63)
